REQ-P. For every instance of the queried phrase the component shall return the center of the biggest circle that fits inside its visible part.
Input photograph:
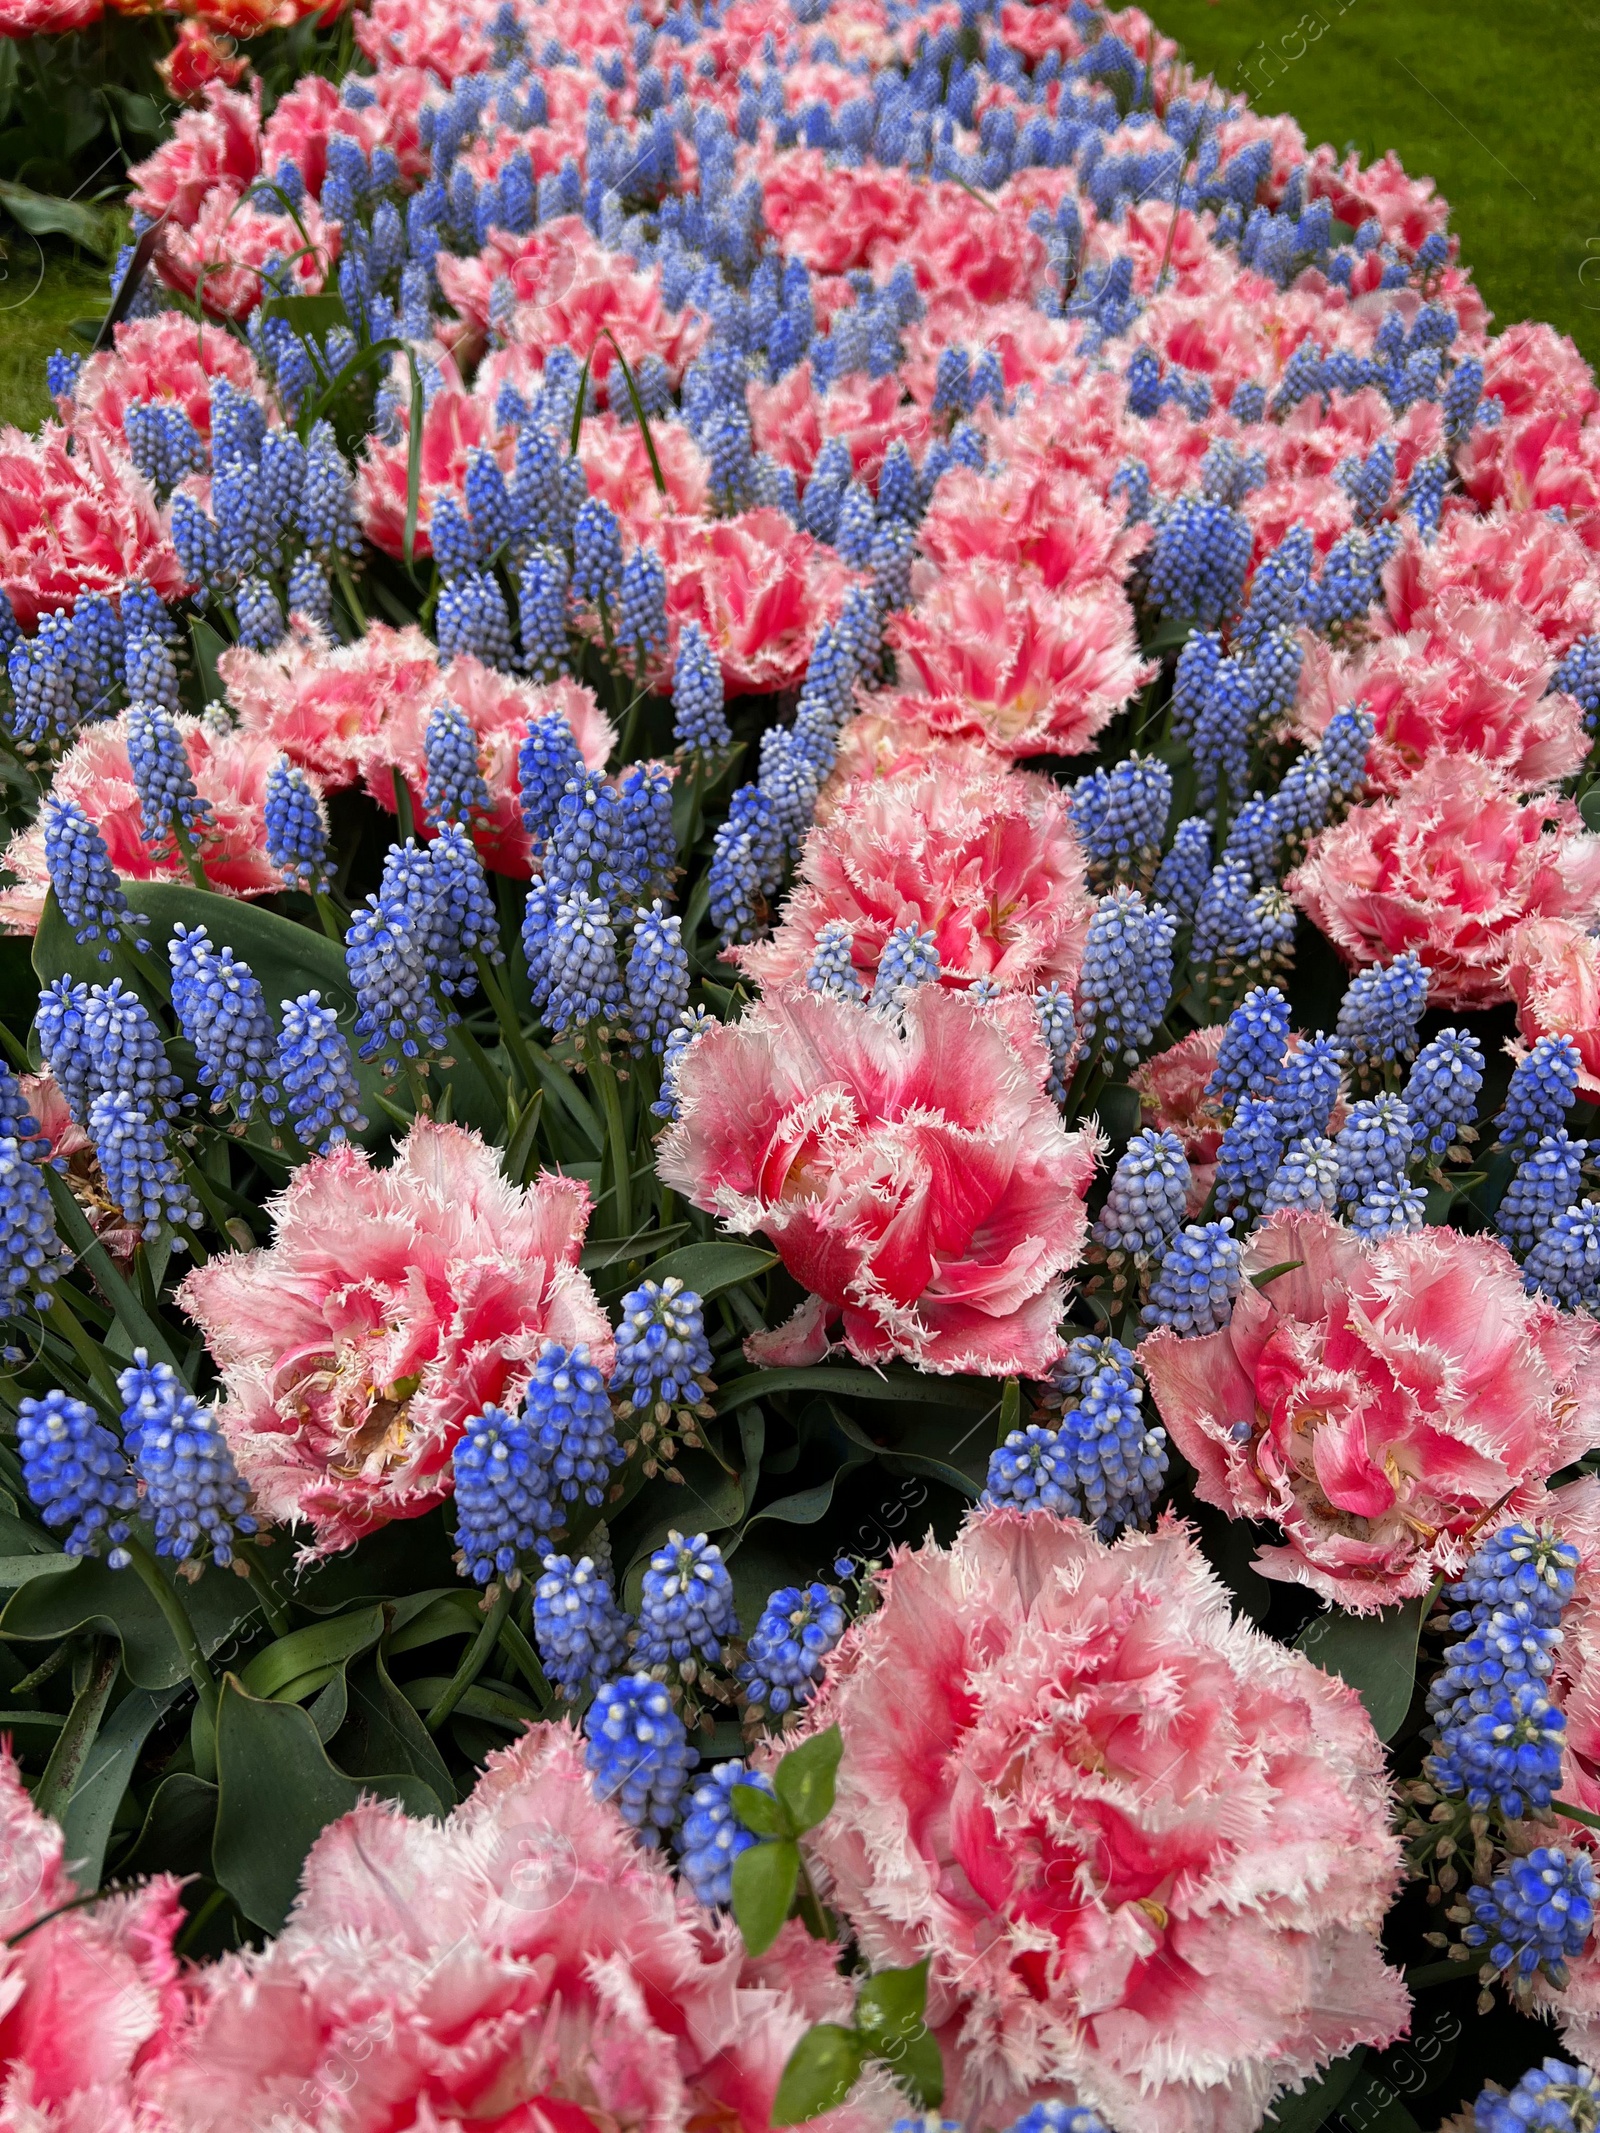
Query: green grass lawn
(1497, 105)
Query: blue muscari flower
(855, 525)
(1565, 1262)
(488, 503)
(790, 780)
(163, 443)
(547, 762)
(159, 764)
(1552, 2098)
(1255, 1044)
(452, 538)
(686, 1610)
(1182, 876)
(1544, 1087)
(696, 1021)
(1379, 1013)
(1351, 578)
(238, 423)
(1537, 1911)
(503, 1494)
(1033, 1471)
(1388, 1211)
(327, 511)
(657, 976)
(197, 543)
(1053, 2116)
(1132, 481)
(1223, 723)
(698, 719)
(193, 1493)
(30, 1251)
(797, 1629)
(123, 1048)
(61, 374)
(1144, 1207)
(1303, 801)
(712, 1836)
(638, 1754)
(662, 1351)
(61, 1022)
(1424, 495)
(135, 1157)
(910, 958)
(1498, 1745)
(585, 844)
(471, 618)
(1197, 1280)
(1344, 748)
(893, 551)
(261, 623)
(1545, 1184)
(76, 1474)
(1277, 588)
(833, 969)
(86, 888)
(457, 790)
(1374, 1146)
(1120, 814)
(737, 875)
(1308, 1177)
(1103, 1465)
(403, 948)
(1126, 978)
(43, 684)
(580, 973)
(1577, 674)
(297, 831)
(1369, 481)
(310, 593)
(647, 846)
(597, 555)
(1462, 395)
(1254, 836)
(898, 495)
(567, 1407)
(542, 611)
(1248, 1155)
(222, 1011)
(580, 1631)
(1057, 1027)
(1198, 561)
(642, 623)
(1442, 1091)
(315, 1074)
(149, 671)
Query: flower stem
(264, 1589)
(76, 1738)
(177, 1620)
(604, 1074)
(91, 1354)
(191, 857)
(332, 918)
(475, 1659)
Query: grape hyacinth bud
(1546, 1182)
(638, 1754)
(1308, 1177)
(1379, 1013)
(833, 970)
(1057, 1026)
(502, 1495)
(316, 1074)
(222, 1011)
(686, 1610)
(1373, 1146)
(1544, 1087)
(168, 799)
(1144, 1207)
(1126, 978)
(297, 829)
(1197, 1280)
(86, 888)
(712, 1836)
(457, 790)
(698, 720)
(76, 1474)
(1255, 1043)
(1565, 1263)
(1441, 1092)
(797, 1629)
(580, 1631)
(193, 1493)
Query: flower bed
(799, 1270)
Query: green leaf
(764, 1882)
(76, 1739)
(307, 314)
(639, 414)
(208, 649)
(708, 1269)
(1319, 2100)
(106, 1773)
(823, 2068)
(1376, 1654)
(22, 1569)
(1118, 1111)
(383, 1732)
(889, 2014)
(1273, 1273)
(304, 1651)
(47, 215)
(857, 1384)
(175, 1836)
(520, 1158)
(804, 1780)
(760, 1811)
(277, 1792)
(1589, 808)
(116, 1603)
(1010, 1409)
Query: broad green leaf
(804, 1779)
(708, 1269)
(307, 314)
(277, 1793)
(760, 1811)
(764, 1882)
(107, 1770)
(73, 1743)
(48, 215)
(1118, 1110)
(857, 1384)
(304, 1651)
(889, 2015)
(383, 1732)
(823, 2068)
(175, 1836)
(1010, 1409)
(117, 1603)
(1376, 1654)
(23, 1569)
(805, 1506)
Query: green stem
(93, 1357)
(77, 1736)
(494, 1080)
(510, 1022)
(90, 1252)
(604, 1074)
(526, 1660)
(42, 1673)
(347, 587)
(475, 1659)
(201, 1919)
(191, 857)
(809, 1904)
(332, 918)
(264, 1589)
(176, 1616)
(1446, 1973)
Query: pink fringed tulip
(917, 1179)
(1145, 1849)
(391, 1305)
(1379, 1401)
